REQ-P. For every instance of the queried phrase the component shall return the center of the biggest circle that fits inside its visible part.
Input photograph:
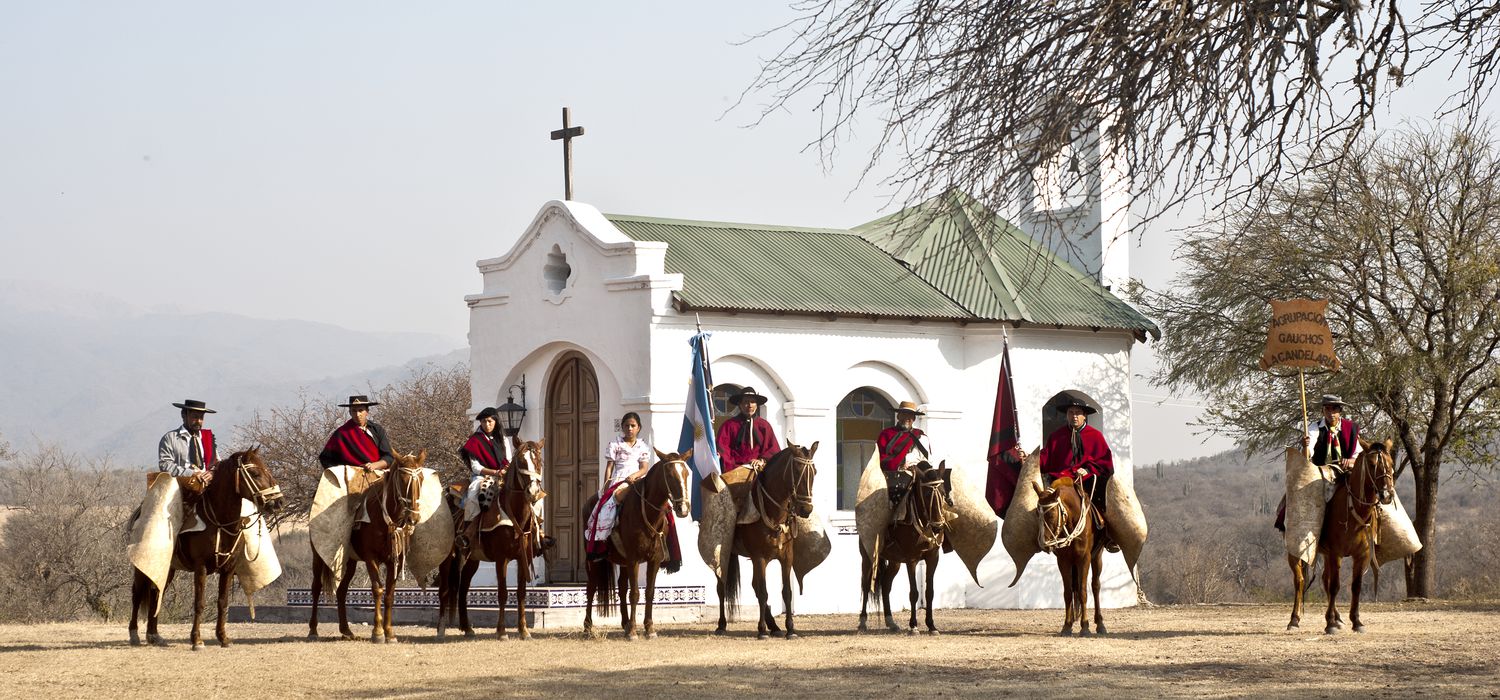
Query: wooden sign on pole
(1299, 337)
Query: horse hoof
(197, 646)
(863, 627)
(762, 635)
(347, 635)
(502, 636)
(1085, 633)
(1292, 626)
(892, 629)
(1330, 630)
(1359, 629)
(1065, 633)
(933, 632)
(223, 644)
(468, 634)
(912, 632)
(1100, 631)
(156, 640)
(792, 635)
(135, 639)
(391, 639)
(719, 631)
(525, 636)
(651, 635)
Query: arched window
(862, 414)
(723, 410)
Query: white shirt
(624, 460)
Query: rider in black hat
(746, 439)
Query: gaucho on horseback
(746, 438)
(188, 450)
(484, 453)
(901, 446)
(359, 442)
(1078, 450)
(1334, 440)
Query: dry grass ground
(1434, 649)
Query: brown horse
(920, 539)
(1350, 523)
(1067, 532)
(520, 489)
(391, 511)
(243, 476)
(783, 489)
(639, 538)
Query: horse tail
(730, 584)
(602, 573)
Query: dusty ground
(1433, 649)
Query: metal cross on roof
(566, 135)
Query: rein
(237, 525)
(661, 511)
(1051, 538)
(795, 481)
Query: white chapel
(836, 327)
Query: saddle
(741, 482)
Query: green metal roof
(948, 258)
(996, 270)
(796, 270)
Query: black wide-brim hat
(747, 392)
(1065, 404)
(1332, 400)
(194, 405)
(488, 412)
(360, 400)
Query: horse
(1350, 523)
(639, 537)
(520, 489)
(216, 549)
(918, 540)
(1066, 531)
(392, 511)
(782, 490)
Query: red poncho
(485, 451)
(893, 444)
(351, 445)
(1057, 454)
(739, 445)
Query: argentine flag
(698, 422)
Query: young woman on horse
(628, 458)
(484, 454)
(746, 438)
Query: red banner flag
(1005, 433)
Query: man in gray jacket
(188, 450)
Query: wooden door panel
(572, 452)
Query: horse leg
(787, 592)
(390, 599)
(1299, 582)
(1081, 556)
(200, 580)
(763, 607)
(913, 596)
(1356, 582)
(466, 578)
(522, 574)
(445, 596)
(500, 566)
(341, 595)
(1098, 565)
(138, 585)
(153, 611)
(635, 600)
(650, 597)
(865, 577)
(221, 629)
(590, 588)
(1331, 587)
(1065, 568)
(624, 584)
(318, 567)
(932, 562)
(377, 593)
(888, 571)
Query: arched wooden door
(572, 462)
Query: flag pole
(1302, 385)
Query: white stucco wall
(616, 312)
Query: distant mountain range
(99, 375)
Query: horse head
(929, 490)
(1377, 467)
(404, 487)
(253, 480)
(801, 472)
(525, 471)
(674, 469)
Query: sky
(348, 162)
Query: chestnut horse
(783, 489)
(392, 509)
(243, 476)
(520, 489)
(920, 539)
(1067, 531)
(639, 538)
(1350, 523)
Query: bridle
(927, 492)
(260, 495)
(799, 483)
(1381, 485)
(1052, 537)
(677, 496)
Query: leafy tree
(1403, 238)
